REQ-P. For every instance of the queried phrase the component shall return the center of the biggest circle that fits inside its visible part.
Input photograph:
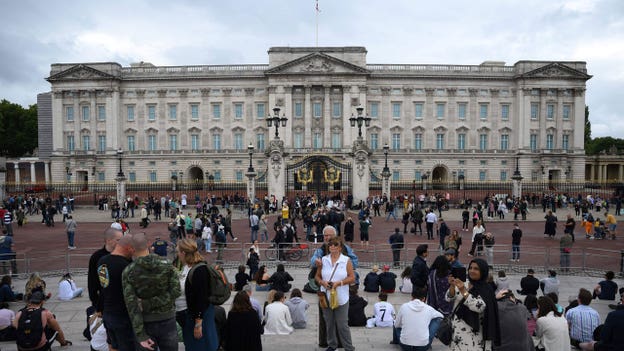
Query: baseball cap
(450, 252)
(386, 267)
(36, 297)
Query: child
(253, 261)
(384, 313)
(241, 278)
(588, 228)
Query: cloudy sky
(35, 34)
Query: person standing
(611, 224)
(565, 248)
(150, 287)
(569, 226)
(8, 222)
(254, 222)
(336, 272)
(420, 271)
(550, 226)
(70, 228)
(513, 323)
(349, 230)
(365, 225)
(444, 232)
(111, 302)
(477, 239)
(516, 236)
(396, 241)
(430, 219)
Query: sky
(34, 34)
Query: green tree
(18, 129)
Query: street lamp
(276, 120)
(250, 150)
(360, 120)
(386, 170)
(68, 173)
(119, 157)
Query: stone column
(3, 172)
(17, 172)
(385, 184)
(599, 173)
(46, 171)
(33, 175)
(361, 170)
(251, 187)
(276, 177)
(327, 116)
(121, 188)
(307, 118)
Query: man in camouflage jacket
(150, 287)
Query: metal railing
(583, 261)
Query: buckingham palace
(314, 113)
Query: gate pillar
(276, 177)
(361, 170)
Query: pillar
(33, 175)
(121, 188)
(276, 177)
(327, 116)
(17, 172)
(251, 187)
(307, 118)
(385, 185)
(46, 169)
(361, 171)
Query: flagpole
(317, 13)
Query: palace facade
(441, 122)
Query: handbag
(445, 331)
(324, 302)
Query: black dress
(242, 331)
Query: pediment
(80, 72)
(555, 70)
(317, 63)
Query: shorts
(363, 236)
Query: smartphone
(459, 273)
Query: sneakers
(235, 238)
(71, 247)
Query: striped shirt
(582, 320)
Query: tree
(18, 129)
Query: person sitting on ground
(6, 290)
(416, 323)
(582, 319)
(555, 299)
(611, 336)
(35, 312)
(550, 284)
(384, 313)
(606, 289)
(241, 278)
(67, 288)
(387, 280)
(261, 277)
(406, 286)
(552, 332)
(298, 307)
(502, 283)
(277, 316)
(279, 280)
(530, 303)
(371, 281)
(529, 284)
(36, 283)
(357, 317)
(512, 317)
(7, 330)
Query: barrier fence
(457, 190)
(583, 261)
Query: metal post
(622, 263)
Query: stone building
(441, 122)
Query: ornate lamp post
(360, 120)
(121, 179)
(385, 173)
(68, 174)
(251, 174)
(462, 185)
(276, 120)
(517, 180)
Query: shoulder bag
(445, 331)
(323, 300)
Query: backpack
(29, 328)
(220, 288)
(182, 222)
(221, 238)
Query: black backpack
(29, 328)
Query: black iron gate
(320, 175)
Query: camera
(330, 285)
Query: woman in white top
(68, 289)
(551, 332)
(336, 272)
(406, 286)
(277, 316)
(477, 239)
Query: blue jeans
(70, 238)
(515, 255)
(207, 244)
(163, 333)
(434, 325)
(254, 235)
